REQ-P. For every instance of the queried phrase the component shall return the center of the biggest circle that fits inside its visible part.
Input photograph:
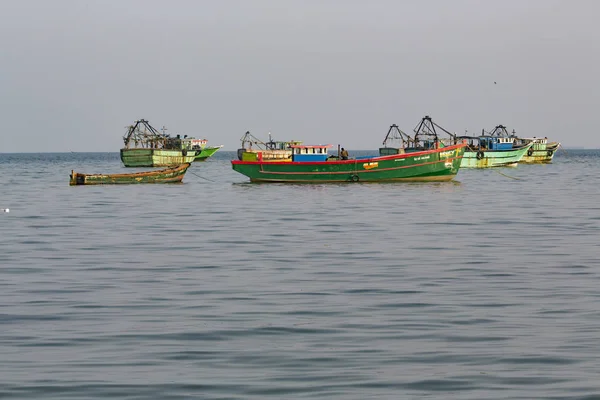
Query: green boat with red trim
(426, 159)
(437, 164)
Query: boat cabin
(496, 143)
(534, 140)
(192, 143)
(309, 153)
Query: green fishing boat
(540, 152)
(313, 164)
(494, 149)
(440, 164)
(206, 152)
(169, 175)
(146, 147)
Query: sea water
(485, 287)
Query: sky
(75, 73)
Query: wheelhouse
(496, 143)
(309, 153)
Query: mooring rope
(508, 176)
(210, 180)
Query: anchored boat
(206, 152)
(312, 164)
(495, 149)
(146, 147)
(169, 175)
(271, 150)
(540, 152)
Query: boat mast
(395, 133)
(147, 137)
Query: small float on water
(169, 175)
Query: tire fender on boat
(530, 152)
(354, 178)
(184, 152)
(550, 152)
(480, 155)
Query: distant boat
(494, 149)
(312, 164)
(146, 147)
(169, 175)
(206, 152)
(541, 152)
(271, 150)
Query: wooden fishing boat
(206, 152)
(169, 175)
(493, 149)
(312, 164)
(146, 147)
(540, 152)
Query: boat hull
(540, 153)
(432, 165)
(493, 158)
(169, 175)
(156, 157)
(207, 152)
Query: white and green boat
(492, 150)
(206, 152)
(146, 147)
(541, 152)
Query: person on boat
(344, 154)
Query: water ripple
(483, 288)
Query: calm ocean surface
(482, 288)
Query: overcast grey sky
(74, 73)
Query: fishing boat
(169, 175)
(493, 149)
(146, 147)
(313, 164)
(206, 152)
(541, 151)
(271, 150)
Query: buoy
(6, 210)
